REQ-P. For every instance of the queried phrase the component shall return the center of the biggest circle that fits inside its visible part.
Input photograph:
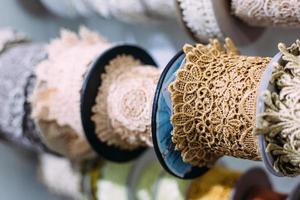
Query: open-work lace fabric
(214, 100)
(200, 19)
(128, 11)
(267, 12)
(122, 113)
(280, 123)
(56, 97)
(17, 65)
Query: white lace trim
(268, 12)
(199, 17)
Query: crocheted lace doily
(16, 74)
(280, 123)
(200, 19)
(213, 100)
(268, 12)
(56, 97)
(122, 113)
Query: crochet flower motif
(210, 98)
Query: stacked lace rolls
(267, 13)
(18, 60)
(213, 103)
(56, 96)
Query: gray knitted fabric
(17, 80)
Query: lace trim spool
(122, 113)
(200, 19)
(213, 101)
(50, 172)
(279, 123)
(56, 97)
(284, 13)
(17, 73)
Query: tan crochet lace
(281, 121)
(123, 105)
(213, 100)
(56, 97)
(268, 12)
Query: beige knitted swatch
(268, 12)
(56, 97)
(214, 100)
(122, 113)
(280, 123)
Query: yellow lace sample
(280, 123)
(122, 113)
(213, 100)
(216, 184)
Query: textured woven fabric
(280, 123)
(200, 19)
(56, 97)
(17, 79)
(213, 100)
(128, 11)
(268, 12)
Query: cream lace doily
(122, 112)
(200, 19)
(214, 100)
(56, 97)
(280, 123)
(268, 12)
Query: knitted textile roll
(56, 97)
(17, 77)
(284, 13)
(205, 19)
(280, 123)
(214, 103)
(122, 113)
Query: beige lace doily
(122, 113)
(56, 97)
(280, 123)
(268, 12)
(213, 100)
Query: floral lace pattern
(268, 12)
(280, 122)
(200, 18)
(122, 113)
(213, 100)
